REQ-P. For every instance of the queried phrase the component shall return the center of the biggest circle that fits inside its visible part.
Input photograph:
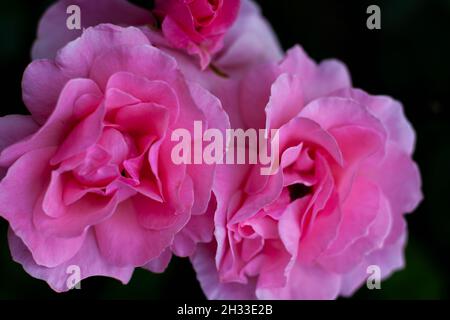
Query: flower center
(214, 4)
(298, 190)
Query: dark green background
(407, 59)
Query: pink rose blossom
(197, 26)
(250, 39)
(335, 206)
(87, 177)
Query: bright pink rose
(197, 26)
(336, 204)
(90, 180)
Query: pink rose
(197, 26)
(249, 40)
(336, 204)
(90, 181)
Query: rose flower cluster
(87, 178)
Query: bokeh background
(409, 59)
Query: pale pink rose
(90, 181)
(197, 26)
(335, 206)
